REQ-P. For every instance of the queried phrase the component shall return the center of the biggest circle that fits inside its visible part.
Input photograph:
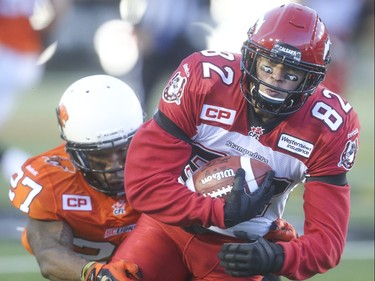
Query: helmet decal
(285, 51)
(62, 115)
(258, 24)
(327, 47)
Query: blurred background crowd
(143, 41)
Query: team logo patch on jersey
(218, 114)
(119, 208)
(256, 132)
(348, 155)
(295, 145)
(60, 162)
(76, 202)
(175, 88)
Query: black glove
(241, 206)
(258, 257)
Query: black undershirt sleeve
(336, 180)
(164, 122)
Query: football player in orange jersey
(74, 194)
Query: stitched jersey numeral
(328, 114)
(33, 190)
(226, 73)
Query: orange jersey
(49, 187)
(16, 31)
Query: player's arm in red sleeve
(327, 211)
(157, 155)
(154, 163)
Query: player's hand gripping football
(116, 271)
(241, 206)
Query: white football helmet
(98, 116)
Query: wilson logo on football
(218, 176)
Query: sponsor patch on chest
(218, 114)
(76, 202)
(295, 145)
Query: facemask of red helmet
(292, 35)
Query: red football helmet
(293, 35)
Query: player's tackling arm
(51, 243)
(327, 212)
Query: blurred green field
(34, 128)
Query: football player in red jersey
(266, 103)
(73, 194)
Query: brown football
(216, 178)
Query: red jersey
(203, 115)
(49, 187)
